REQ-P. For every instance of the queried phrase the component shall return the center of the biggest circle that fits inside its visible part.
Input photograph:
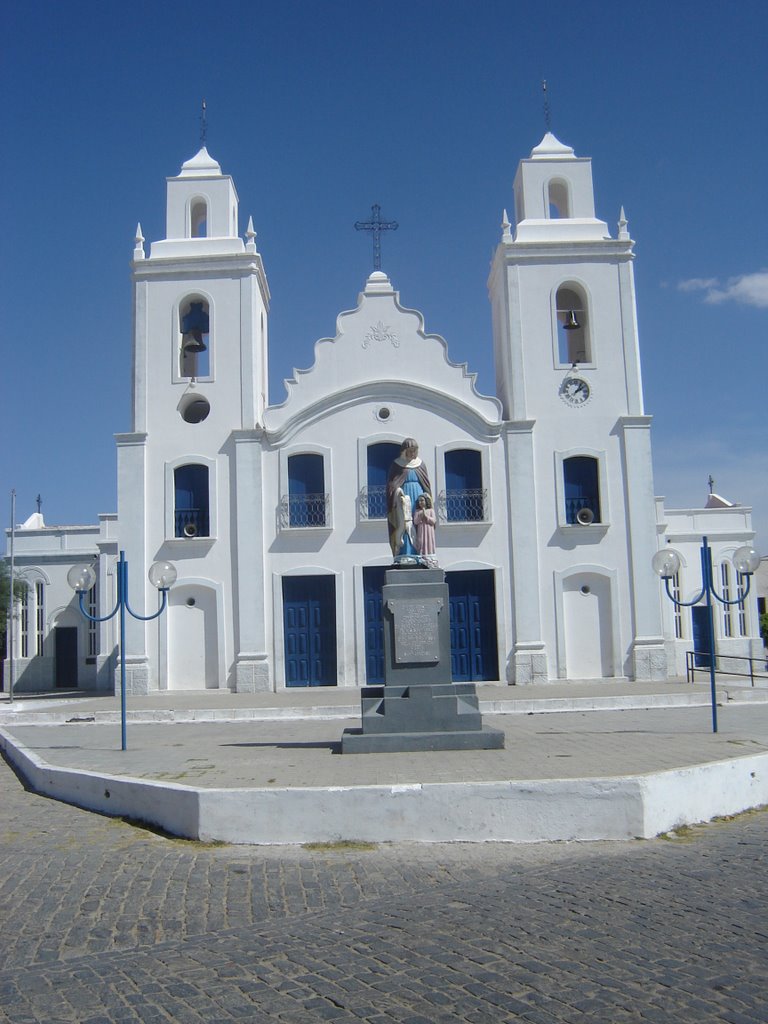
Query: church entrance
(474, 646)
(472, 600)
(309, 628)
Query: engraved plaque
(416, 630)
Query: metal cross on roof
(204, 124)
(376, 225)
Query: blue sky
(318, 110)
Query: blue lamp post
(82, 577)
(666, 564)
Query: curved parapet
(380, 343)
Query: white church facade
(275, 515)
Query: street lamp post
(82, 577)
(666, 564)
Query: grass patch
(690, 832)
(340, 846)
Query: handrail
(691, 667)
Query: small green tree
(764, 627)
(19, 590)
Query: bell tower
(192, 458)
(582, 511)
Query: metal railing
(575, 505)
(191, 522)
(465, 506)
(301, 511)
(373, 502)
(699, 661)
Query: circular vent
(196, 409)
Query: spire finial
(39, 502)
(711, 484)
(547, 113)
(250, 234)
(138, 248)
(203, 125)
(506, 234)
(623, 232)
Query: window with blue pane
(191, 508)
(582, 489)
(380, 457)
(464, 495)
(306, 490)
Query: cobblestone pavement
(102, 922)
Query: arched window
(464, 494)
(198, 219)
(559, 204)
(582, 490)
(380, 457)
(26, 603)
(306, 490)
(195, 338)
(31, 633)
(573, 336)
(191, 501)
(39, 616)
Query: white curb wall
(619, 808)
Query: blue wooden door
(373, 582)
(474, 655)
(700, 630)
(309, 626)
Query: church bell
(571, 323)
(193, 343)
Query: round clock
(575, 391)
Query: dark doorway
(65, 640)
(700, 628)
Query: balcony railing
(466, 506)
(191, 522)
(303, 511)
(373, 502)
(575, 505)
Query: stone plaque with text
(417, 638)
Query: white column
(529, 658)
(253, 671)
(648, 652)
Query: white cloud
(749, 289)
(695, 284)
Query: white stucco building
(274, 514)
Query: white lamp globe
(666, 563)
(745, 560)
(162, 575)
(81, 578)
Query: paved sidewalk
(571, 745)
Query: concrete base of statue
(418, 707)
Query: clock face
(575, 391)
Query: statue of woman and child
(410, 508)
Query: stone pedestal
(418, 707)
